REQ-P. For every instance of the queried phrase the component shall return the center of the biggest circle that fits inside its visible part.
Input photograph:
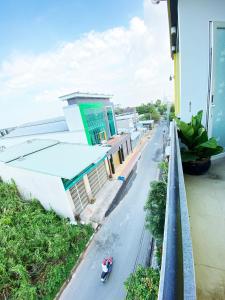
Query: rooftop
(23, 149)
(206, 205)
(57, 124)
(75, 137)
(127, 116)
(117, 139)
(64, 160)
(79, 95)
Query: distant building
(127, 122)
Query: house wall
(193, 21)
(73, 117)
(124, 123)
(47, 189)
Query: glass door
(217, 88)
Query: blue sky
(34, 26)
(55, 47)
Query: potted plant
(196, 147)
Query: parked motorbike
(105, 275)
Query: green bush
(38, 249)
(143, 284)
(163, 166)
(155, 208)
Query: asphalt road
(122, 236)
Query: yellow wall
(177, 82)
(116, 159)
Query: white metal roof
(23, 149)
(64, 160)
(84, 95)
(40, 127)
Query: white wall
(73, 117)
(194, 17)
(47, 189)
(124, 123)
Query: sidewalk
(95, 213)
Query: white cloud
(132, 63)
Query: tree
(162, 109)
(158, 103)
(155, 207)
(172, 112)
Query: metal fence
(177, 278)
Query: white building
(62, 176)
(127, 122)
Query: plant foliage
(143, 284)
(155, 207)
(38, 249)
(194, 137)
(163, 166)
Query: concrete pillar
(72, 206)
(107, 167)
(87, 187)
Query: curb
(67, 281)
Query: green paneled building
(91, 113)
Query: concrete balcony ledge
(206, 206)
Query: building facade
(92, 113)
(197, 31)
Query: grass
(38, 249)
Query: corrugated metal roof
(64, 160)
(23, 149)
(40, 127)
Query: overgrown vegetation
(155, 207)
(163, 166)
(38, 249)
(143, 284)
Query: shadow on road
(123, 190)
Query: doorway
(216, 112)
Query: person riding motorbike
(106, 264)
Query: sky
(53, 47)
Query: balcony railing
(177, 279)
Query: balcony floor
(206, 204)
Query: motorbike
(105, 275)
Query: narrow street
(122, 236)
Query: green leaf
(211, 143)
(188, 156)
